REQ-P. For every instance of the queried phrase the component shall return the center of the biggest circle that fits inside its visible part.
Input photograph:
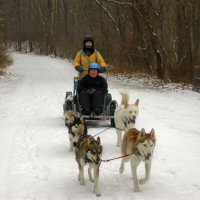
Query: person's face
(93, 73)
(88, 44)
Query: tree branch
(109, 14)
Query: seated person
(92, 89)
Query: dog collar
(86, 159)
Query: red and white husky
(125, 116)
(140, 146)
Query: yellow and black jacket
(84, 61)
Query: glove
(91, 91)
(88, 91)
(79, 69)
(102, 69)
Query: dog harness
(125, 123)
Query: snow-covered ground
(35, 162)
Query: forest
(156, 37)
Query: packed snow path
(36, 164)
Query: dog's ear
(137, 102)
(81, 119)
(152, 133)
(98, 140)
(78, 115)
(141, 134)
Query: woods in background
(159, 37)
(4, 58)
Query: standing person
(86, 56)
(92, 89)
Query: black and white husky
(76, 128)
(88, 152)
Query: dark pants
(91, 102)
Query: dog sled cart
(72, 103)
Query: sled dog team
(137, 145)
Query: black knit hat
(88, 38)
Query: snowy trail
(35, 160)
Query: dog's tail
(125, 98)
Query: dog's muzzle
(148, 156)
(97, 161)
(131, 120)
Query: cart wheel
(68, 105)
(68, 94)
(112, 123)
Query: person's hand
(79, 69)
(91, 91)
(88, 91)
(102, 69)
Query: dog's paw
(121, 170)
(137, 189)
(82, 182)
(98, 194)
(142, 181)
(92, 180)
(79, 178)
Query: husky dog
(140, 146)
(125, 116)
(76, 129)
(89, 151)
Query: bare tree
(159, 37)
